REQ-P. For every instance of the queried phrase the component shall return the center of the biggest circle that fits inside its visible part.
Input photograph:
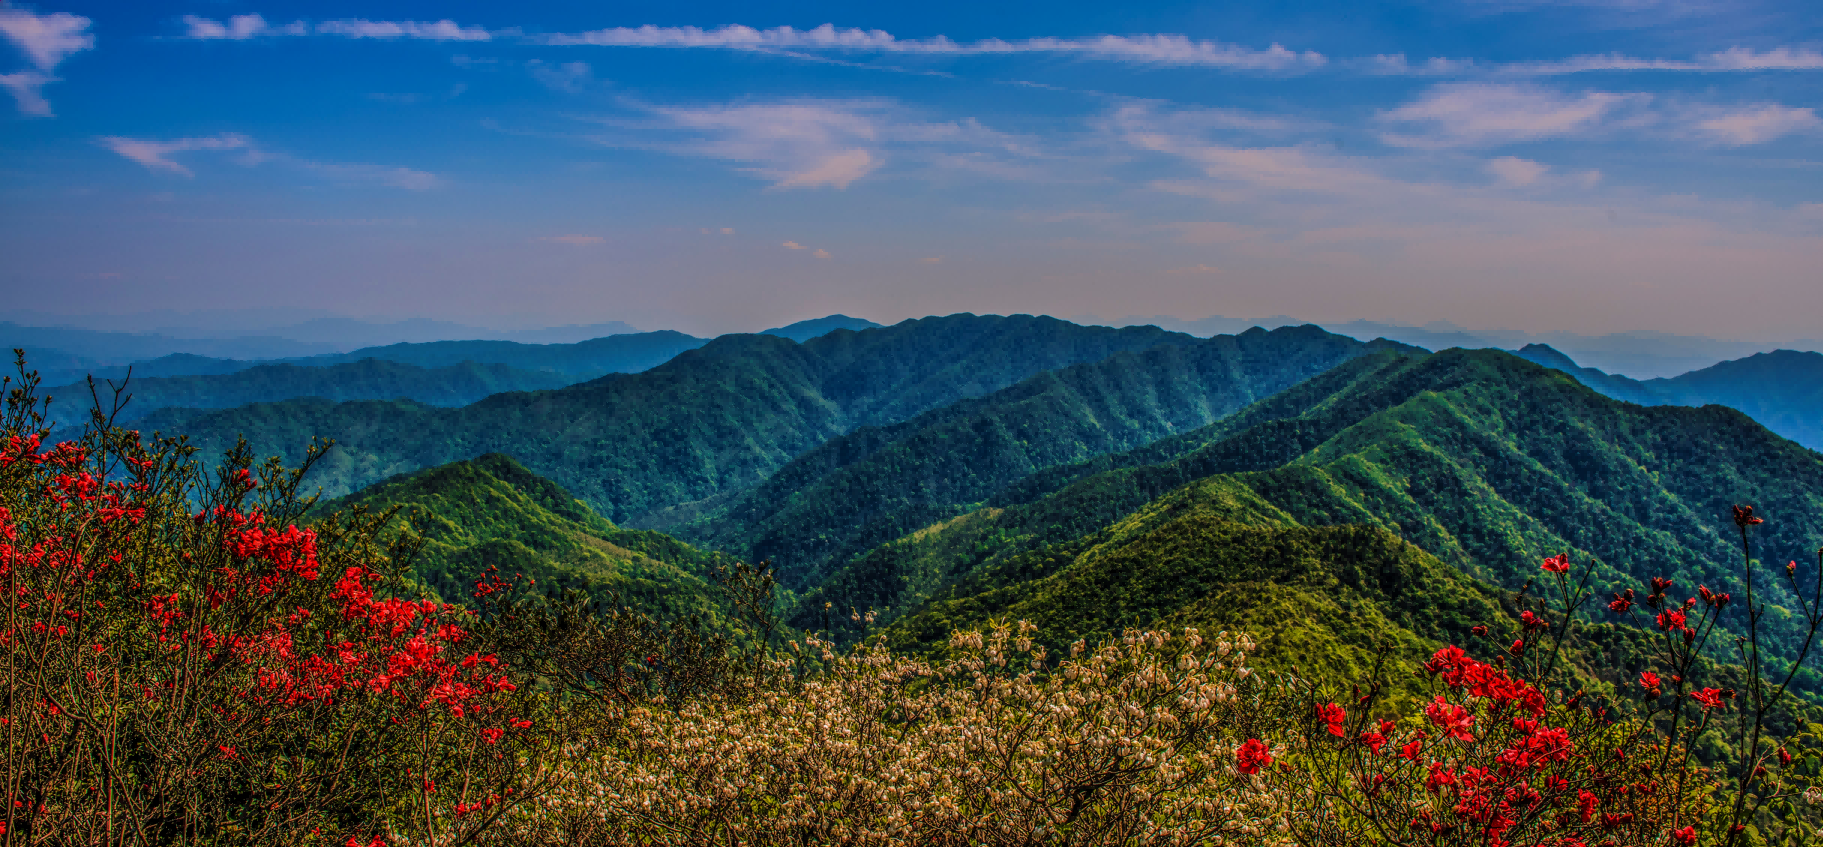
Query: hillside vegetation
(1783, 389)
(877, 483)
(1481, 460)
(490, 512)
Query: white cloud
(1484, 114)
(1757, 124)
(1161, 49)
(27, 88)
(932, 260)
(576, 240)
(444, 30)
(821, 254)
(156, 155)
(243, 27)
(1732, 59)
(809, 143)
(727, 230)
(46, 40)
(1514, 171)
(793, 245)
(239, 28)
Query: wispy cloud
(1732, 59)
(245, 27)
(158, 156)
(569, 76)
(1486, 114)
(46, 40)
(574, 240)
(1161, 49)
(1740, 126)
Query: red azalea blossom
(1558, 563)
(1333, 715)
(1710, 698)
(1686, 836)
(1252, 756)
(1743, 517)
(1650, 682)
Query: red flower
(1687, 835)
(1649, 681)
(1333, 715)
(1531, 621)
(1585, 805)
(1710, 698)
(1455, 721)
(1479, 631)
(1411, 751)
(1743, 517)
(1670, 620)
(1558, 563)
(1784, 756)
(1252, 756)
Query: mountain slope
(716, 419)
(367, 379)
(1783, 389)
(491, 511)
(1483, 460)
(877, 483)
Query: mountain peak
(808, 329)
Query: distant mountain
(806, 330)
(318, 336)
(579, 361)
(114, 348)
(712, 421)
(877, 483)
(1479, 458)
(1783, 389)
(1643, 355)
(367, 379)
(491, 511)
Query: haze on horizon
(1591, 167)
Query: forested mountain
(1783, 389)
(877, 483)
(1484, 461)
(713, 420)
(492, 512)
(808, 329)
(367, 379)
(576, 362)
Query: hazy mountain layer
(368, 379)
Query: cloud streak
(247, 27)
(1484, 114)
(158, 156)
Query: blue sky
(1523, 164)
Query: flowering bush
(181, 662)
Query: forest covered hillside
(1481, 460)
(877, 483)
(490, 512)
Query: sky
(1587, 166)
